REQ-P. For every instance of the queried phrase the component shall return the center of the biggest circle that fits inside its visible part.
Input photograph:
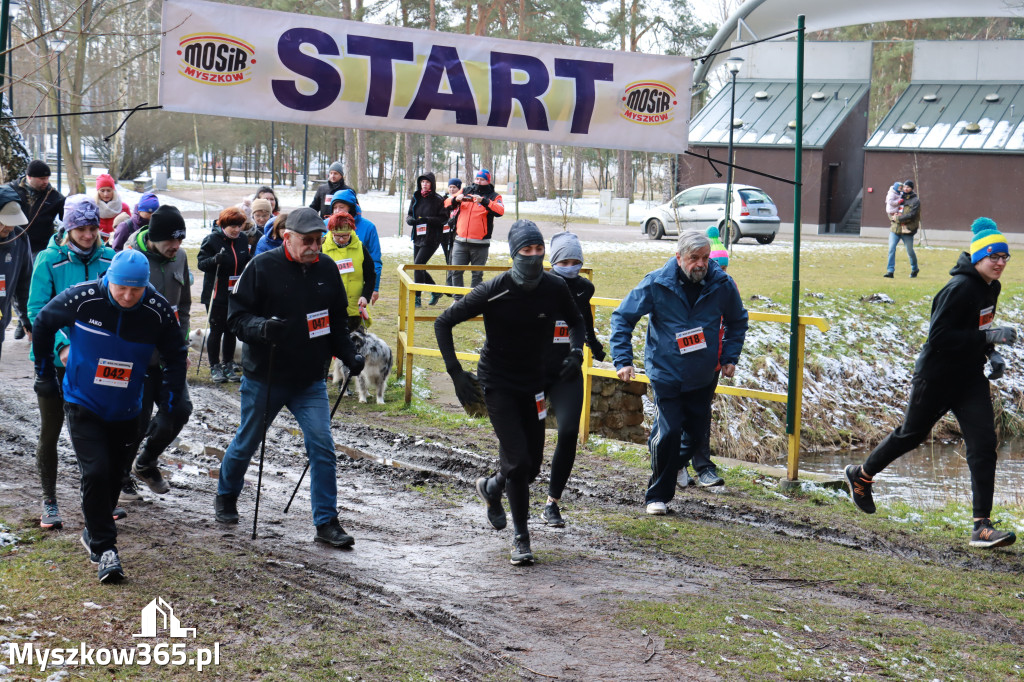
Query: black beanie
(523, 233)
(166, 223)
(37, 169)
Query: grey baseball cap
(305, 221)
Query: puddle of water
(189, 469)
(931, 475)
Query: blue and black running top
(110, 349)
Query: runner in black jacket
(950, 376)
(520, 308)
(222, 257)
(566, 395)
(335, 183)
(427, 216)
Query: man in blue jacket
(114, 325)
(696, 329)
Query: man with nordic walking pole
(289, 307)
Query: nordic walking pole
(206, 336)
(331, 418)
(263, 445)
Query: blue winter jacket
(365, 230)
(110, 349)
(718, 311)
(57, 268)
(266, 242)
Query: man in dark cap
(521, 308)
(289, 307)
(335, 183)
(42, 204)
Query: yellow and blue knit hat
(987, 239)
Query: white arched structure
(756, 19)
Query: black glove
(467, 390)
(355, 364)
(998, 366)
(221, 256)
(273, 330)
(47, 387)
(597, 350)
(570, 366)
(1000, 335)
(25, 323)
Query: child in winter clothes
(222, 256)
(140, 219)
(272, 237)
(109, 203)
(894, 201)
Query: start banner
(229, 60)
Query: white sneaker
(657, 508)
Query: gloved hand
(1000, 335)
(46, 387)
(467, 389)
(597, 350)
(998, 366)
(570, 366)
(356, 364)
(273, 330)
(221, 256)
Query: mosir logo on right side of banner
(648, 103)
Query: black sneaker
(129, 493)
(19, 331)
(51, 516)
(913, 273)
(331, 533)
(708, 479)
(860, 488)
(151, 476)
(435, 297)
(986, 536)
(232, 372)
(120, 513)
(890, 275)
(110, 570)
(217, 374)
(521, 554)
(225, 509)
(553, 516)
(495, 512)
(93, 557)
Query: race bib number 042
(691, 340)
(113, 373)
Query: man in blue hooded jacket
(696, 329)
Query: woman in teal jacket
(74, 255)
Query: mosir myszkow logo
(157, 619)
(216, 58)
(648, 103)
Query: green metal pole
(5, 26)
(794, 323)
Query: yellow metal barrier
(407, 348)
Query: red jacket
(476, 221)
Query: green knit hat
(987, 239)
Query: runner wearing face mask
(566, 396)
(520, 308)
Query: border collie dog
(377, 355)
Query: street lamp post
(58, 46)
(12, 7)
(734, 65)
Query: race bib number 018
(113, 373)
(985, 318)
(691, 340)
(561, 332)
(542, 408)
(319, 323)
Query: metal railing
(407, 349)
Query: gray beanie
(523, 233)
(565, 246)
(336, 166)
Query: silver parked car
(753, 213)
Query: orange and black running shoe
(986, 536)
(860, 488)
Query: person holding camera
(478, 205)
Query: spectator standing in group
(354, 264)
(478, 205)
(222, 257)
(903, 226)
(949, 376)
(114, 325)
(267, 192)
(448, 231)
(42, 204)
(321, 202)
(261, 213)
(272, 234)
(148, 203)
(427, 217)
(75, 254)
(696, 327)
(15, 261)
(109, 203)
(345, 202)
(160, 243)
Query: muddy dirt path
(421, 554)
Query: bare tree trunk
(538, 169)
(577, 172)
(487, 155)
(428, 154)
(549, 172)
(524, 183)
(410, 164)
(117, 144)
(184, 163)
(394, 165)
(467, 151)
(350, 169)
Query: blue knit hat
(986, 239)
(456, 182)
(148, 203)
(80, 210)
(483, 174)
(129, 268)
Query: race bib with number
(561, 332)
(233, 283)
(113, 373)
(319, 323)
(986, 317)
(542, 408)
(446, 229)
(691, 340)
(345, 266)
(421, 229)
(174, 309)
(3, 285)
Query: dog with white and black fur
(378, 357)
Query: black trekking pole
(263, 445)
(206, 336)
(329, 419)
